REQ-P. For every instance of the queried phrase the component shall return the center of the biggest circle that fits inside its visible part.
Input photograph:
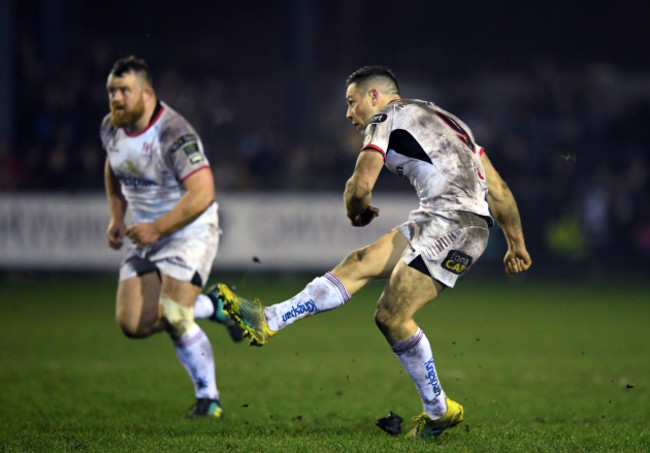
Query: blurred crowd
(571, 142)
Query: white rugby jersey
(435, 151)
(151, 165)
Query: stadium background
(558, 94)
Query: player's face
(360, 108)
(126, 99)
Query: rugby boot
(205, 407)
(426, 427)
(249, 315)
(220, 316)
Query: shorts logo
(456, 262)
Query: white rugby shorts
(449, 243)
(185, 255)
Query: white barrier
(282, 231)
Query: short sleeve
(184, 150)
(377, 133)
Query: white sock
(417, 359)
(195, 353)
(321, 294)
(203, 307)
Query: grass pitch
(539, 366)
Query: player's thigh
(407, 291)
(375, 261)
(182, 292)
(185, 262)
(137, 303)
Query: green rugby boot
(249, 315)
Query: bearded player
(156, 165)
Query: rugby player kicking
(457, 187)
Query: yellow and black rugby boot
(248, 314)
(426, 427)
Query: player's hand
(516, 261)
(365, 217)
(142, 234)
(115, 234)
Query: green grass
(539, 366)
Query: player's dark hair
(369, 72)
(132, 63)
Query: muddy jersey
(435, 151)
(151, 165)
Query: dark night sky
(441, 37)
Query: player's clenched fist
(365, 217)
(517, 261)
(143, 234)
(115, 234)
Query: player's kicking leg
(261, 323)
(324, 293)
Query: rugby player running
(156, 165)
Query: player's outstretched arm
(504, 207)
(358, 189)
(116, 206)
(198, 197)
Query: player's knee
(388, 319)
(176, 318)
(353, 265)
(385, 319)
(131, 328)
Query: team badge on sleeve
(193, 152)
(181, 141)
(189, 144)
(457, 262)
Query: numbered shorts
(185, 255)
(448, 244)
